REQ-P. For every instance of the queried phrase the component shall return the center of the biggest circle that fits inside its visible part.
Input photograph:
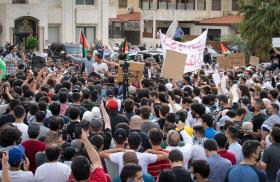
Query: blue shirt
(210, 133)
(146, 178)
(218, 168)
(245, 173)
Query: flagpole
(125, 70)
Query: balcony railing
(169, 5)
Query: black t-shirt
(181, 174)
(6, 118)
(275, 59)
(257, 121)
(71, 129)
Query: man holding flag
(87, 59)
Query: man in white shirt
(99, 66)
(234, 146)
(53, 170)
(19, 114)
(134, 141)
(16, 154)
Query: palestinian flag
(125, 46)
(84, 43)
(224, 49)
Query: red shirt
(97, 175)
(228, 155)
(31, 148)
(155, 168)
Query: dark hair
(199, 129)
(13, 104)
(42, 105)
(55, 123)
(167, 175)
(223, 98)
(76, 97)
(145, 112)
(187, 100)
(275, 107)
(40, 116)
(164, 110)
(66, 84)
(33, 108)
(221, 140)
(53, 152)
(250, 147)
(73, 112)
(86, 93)
(198, 109)
(232, 131)
(97, 141)
(68, 153)
(208, 119)
(128, 105)
(201, 167)
(175, 156)
(275, 133)
(144, 101)
(231, 113)
(129, 171)
(63, 97)
(19, 111)
(134, 140)
(196, 91)
(55, 108)
(273, 93)
(240, 111)
(155, 136)
(9, 135)
(120, 135)
(33, 130)
(80, 168)
(210, 145)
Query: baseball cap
(247, 126)
(96, 112)
(87, 116)
(96, 124)
(16, 154)
(112, 104)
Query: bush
(31, 42)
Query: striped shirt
(155, 168)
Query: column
(41, 38)
(154, 28)
(68, 26)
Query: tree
(260, 24)
(31, 42)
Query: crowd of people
(62, 124)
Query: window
(148, 29)
(234, 5)
(213, 34)
(122, 3)
(89, 33)
(186, 30)
(53, 34)
(115, 30)
(19, 2)
(85, 2)
(162, 4)
(201, 4)
(145, 4)
(216, 5)
(171, 4)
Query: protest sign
(135, 72)
(254, 61)
(276, 42)
(194, 49)
(224, 62)
(173, 65)
(238, 60)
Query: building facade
(54, 21)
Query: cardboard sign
(224, 62)
(174, 65)
(254, 61)
(276, 42)
(238, 60)
(135, 72)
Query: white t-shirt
(144, 160)
(54, 171)
(236, 148)
(100, 68)
(23, 128)
(20, 176)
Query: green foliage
(261, 23)
(31, 42)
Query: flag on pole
(224, 49)
(2, 69)
(84, 43)
(125, 46)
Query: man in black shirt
(177, 166)
(74, 115)
(275, 58)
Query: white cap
(169, 86)
(87, 116)
(96, 112)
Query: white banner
(172, 29)
(194, 49)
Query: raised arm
(181, 127)
(92, 153)
(5, 168)
(105, 116)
